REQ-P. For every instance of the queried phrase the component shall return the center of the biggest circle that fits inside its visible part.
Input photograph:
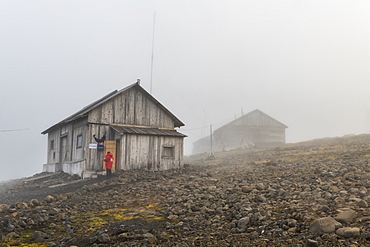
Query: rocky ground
(315, 193)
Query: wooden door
(63, 150)
(110, 146)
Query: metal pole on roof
(151, 70)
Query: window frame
(168, 151)
(79, 141)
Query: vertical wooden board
(95, 115)
(159, 153)
(145, 112)
(132, 107)
(146, 156)
(122, 147)
(110, 146)
(118, 155)
(117, 110)
(63, 150)
(142, 150)
(155, 152)
(150, 113)
(126, 106)
(133, 152)
(120, 109)
(127, 153)
(107, 113)
(139, 109)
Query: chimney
(138, 81)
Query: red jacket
(109, 161)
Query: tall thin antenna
(151, 71)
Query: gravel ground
(307, 194)
(23, 191)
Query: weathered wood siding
(146, 152)
(53, 152)
(95, 157)
(234, 137)
(133, 108)
(65, 143)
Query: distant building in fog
(253, 129)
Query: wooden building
(253, 129)
(130, 123)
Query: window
(168, 152)
(52, 145)
(79, 141)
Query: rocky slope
(307, 194)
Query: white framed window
(52, 145)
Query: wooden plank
(141, 126)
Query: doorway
(111, 146)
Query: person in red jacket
(109, 163)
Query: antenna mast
(151, 71)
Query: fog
(304, 63)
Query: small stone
(21, 205)
(362, 204)
(147, 235)
(10, 228)
(260, 186)
(253, 235)
(325, 208)
(312, 243)
(247, 189)
(35, 202)
(243, 222)
(11, 236)
(38, 235)
(291, 222)
(103, 238)
(261, 198)
(49, 199)
(348, 232)
(366, 235)
(3, 208)
(182, 245)
(173, 217)
(22, 223)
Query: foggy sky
(304, 63)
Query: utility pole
(211, 154)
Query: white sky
(305, 63)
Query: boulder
(346, 216)
(324, 225)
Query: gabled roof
(249, 114)
(84, 111)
